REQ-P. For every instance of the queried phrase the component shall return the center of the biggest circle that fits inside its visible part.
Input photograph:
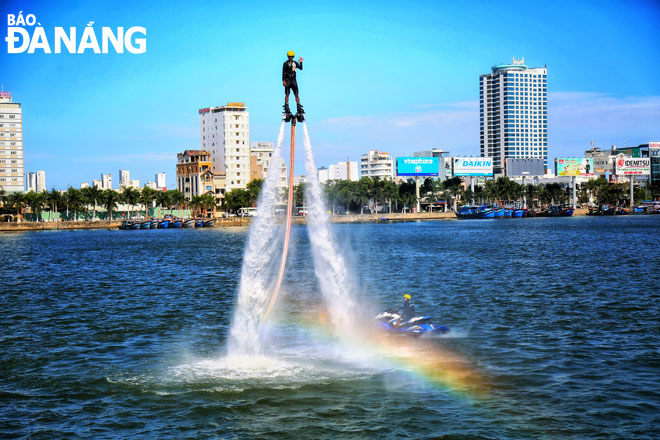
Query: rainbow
(421, 358)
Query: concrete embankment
(242, 221)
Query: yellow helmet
(406, 296)
(291, 53)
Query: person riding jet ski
(408, 310)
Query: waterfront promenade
(240, 221)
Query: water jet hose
(287, 235)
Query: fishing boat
(154, 224)
(189, 223)
(499, 212)
(209, 223)
(164, 223)
(145, 224)
(475, 212)
(199, 223)
(175, 223)
(508, 212)
(519, 212)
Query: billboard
(574, 166)
(525, 167)
(633, 166)
(417, 166)
(473, 166)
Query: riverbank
(241, 221)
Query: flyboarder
(289, 81)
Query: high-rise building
(124, 177)
(12, 176)
(323, 175)
(377, 164)
(41, 181)
(97, 183)
(513, 107)
(84, 185)
(161, 181)
(30, 182)
(35, 182)
(225, 132)
(344, 171)
(106, 181)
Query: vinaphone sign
(417, 166)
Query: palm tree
(164, 198)
(17, 201)
(147, 197)
(178, 198)
(131, 196)
(36, 202)
(92, 195)
(53, 198)
(3, 195)
(110, 198)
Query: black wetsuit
(408, 311)
(289, 75)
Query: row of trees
(88, 200)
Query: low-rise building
(193, 173)
(344, 171)
(377, 164)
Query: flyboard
(287, 116)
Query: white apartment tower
(160, 181)
(106, 181)
(377, 164)
(124, 178)
(12, 176)
(225, 132)
(41, 181)
(513, 107)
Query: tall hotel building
(513, 107)
(225, 132)
(12, 177)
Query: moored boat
(164, 223)
(145, 224)
(175, 223)
(209, 223)
(199, 223)
(189, 223)
(519, 212)
(499, 212)
(475, 212)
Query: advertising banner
(525, 167)
(633, 166)
(417, 166)
(473, 166)
(574, 166)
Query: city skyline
(377, 76)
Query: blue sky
(390, 75)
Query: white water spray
(259, 261)
(330, 266)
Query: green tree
(17, 201)
(53, 199)
(131, 197)
(36, 202)
(92, 196)
(110, 199)
(298, 194)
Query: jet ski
(390, 323)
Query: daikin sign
(473, 166)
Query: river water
(555, 333)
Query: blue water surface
(122, 334)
